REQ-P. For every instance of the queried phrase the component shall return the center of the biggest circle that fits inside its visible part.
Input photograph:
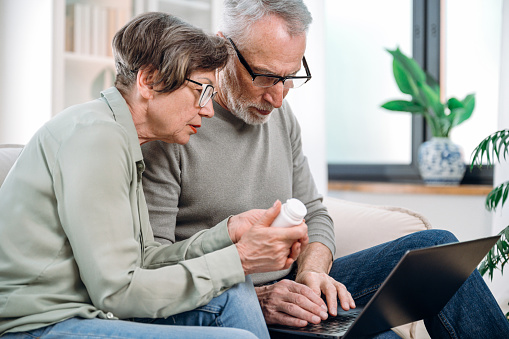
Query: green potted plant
(493, 148)
(440, 161)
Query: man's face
(270, 51)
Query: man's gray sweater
(227, 168)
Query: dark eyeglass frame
(277, 78)
(202, 102)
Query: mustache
(262, 107)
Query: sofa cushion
(8, 155)
(360, 226)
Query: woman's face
(174, 117)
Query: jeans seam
(22, 332)
(218, 321)
(88, 335)
(447, 325)
(210, 309)
(366, 291)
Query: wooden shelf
(404, 188)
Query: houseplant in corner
(493, 148)
(440, 160)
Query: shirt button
(110, 315)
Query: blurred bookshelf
(90, 26)
(83, 60)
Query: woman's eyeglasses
(207, 92)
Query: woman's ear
(144, 81)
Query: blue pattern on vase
(441, 162)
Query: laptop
(420, 285)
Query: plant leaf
(402, 79)
(491, 148)
(409, 65)
(468, 109)
(453, 103)
(432, 100)
(403, 106)
(483, 267)
(497, 196)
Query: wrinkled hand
(240, 223)
(289, 303)
(320, 282)
(262, 248)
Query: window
(365, 142)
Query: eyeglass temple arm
(304, 62)
(242, 60)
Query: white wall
(465, 216)
(25, 68)
(308, 102)
(500, 284)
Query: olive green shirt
(75, 238)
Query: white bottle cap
(295, 209)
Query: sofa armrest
(360, 226)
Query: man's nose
(275, 94)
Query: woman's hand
(263, 248)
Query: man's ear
(144, 81)
(220, 34)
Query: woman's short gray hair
(240, 15)
(167, 46)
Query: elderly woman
(77, 254)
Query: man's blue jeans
(471, 313)
(234, 314)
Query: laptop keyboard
(336, 324)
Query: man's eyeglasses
(268, 80)
(207, 92)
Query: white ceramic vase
(441, 162)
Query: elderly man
(250, 154)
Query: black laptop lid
(420, 285)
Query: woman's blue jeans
(471, 313)
(234, 314)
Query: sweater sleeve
(94, 187)
(320, 225)
(161, 183)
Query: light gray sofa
(357, 226)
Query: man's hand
(314, 265)
(332, 290)
(289, 303)
(262, 248)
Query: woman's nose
(207, 111)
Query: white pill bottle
(292, 213)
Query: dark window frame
(426, 51)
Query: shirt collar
(123, 116)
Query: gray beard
(239, 107)
(242, 111)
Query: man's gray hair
(240, 15)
